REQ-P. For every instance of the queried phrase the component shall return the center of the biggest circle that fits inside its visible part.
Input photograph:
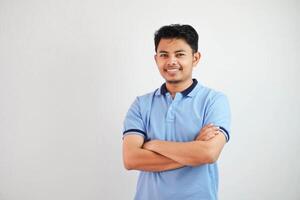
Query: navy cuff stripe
(135, 130)
(226, 132)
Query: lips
(172, 71)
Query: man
(175, 134)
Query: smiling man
(175, 134)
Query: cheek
(160, 65)
(187, 67)
(186, 64)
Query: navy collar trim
(164, 90)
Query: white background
(69, 71)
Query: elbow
(128, 166)
(207, 157)
(211, 156)
(128, 162)
(211, 159)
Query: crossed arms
(158, 155)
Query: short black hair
(178, 31)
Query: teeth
(172, 70)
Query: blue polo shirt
(157, 116)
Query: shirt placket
(171, 114)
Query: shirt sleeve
(133, 123)
(218, 113)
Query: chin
(173, 81)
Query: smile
(172, 70)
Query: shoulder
(210, 94)
(146, 97)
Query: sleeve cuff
(136, 132)
(225, 132)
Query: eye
(163, 55)
(180, 55)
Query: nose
(172, 61)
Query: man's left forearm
(192, 153)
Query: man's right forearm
(145, 160)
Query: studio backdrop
(69, 71)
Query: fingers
(208, 132)
(209, 128)
(209, 136)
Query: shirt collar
(187, 92)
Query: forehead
(172, 45)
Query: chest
(174, 120)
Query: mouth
(172, 71)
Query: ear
(155, 58)
(196, 58)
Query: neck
(173, 88)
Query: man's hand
(208, 132)
(205, 149)
(149, 145)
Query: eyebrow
(180, 50)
